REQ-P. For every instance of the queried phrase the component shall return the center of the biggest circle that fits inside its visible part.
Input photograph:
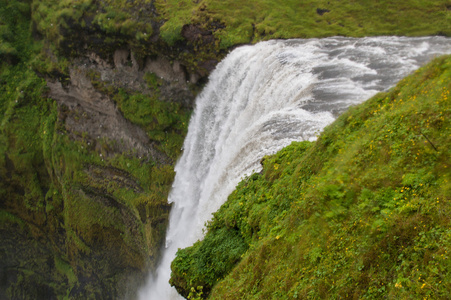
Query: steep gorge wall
(86, 164)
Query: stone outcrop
(84, 110)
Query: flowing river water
(258, 100)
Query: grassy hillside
(199, 32)
(235, 22)
(363, 212)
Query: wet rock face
(128, 72)
(87, 111)
(77, 219)
(322, 11)
(193, 33)
(161, 67)
(94, 229)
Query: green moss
(208, 261)
(251, 21)
(61, 216)
(165, 122)
(65, 269)
(80, 245)
(70, 24)
(6, 217)
(153, 81)
(363, 212)
(171, 31)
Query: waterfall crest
(259, 99)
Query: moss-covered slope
(363, 212)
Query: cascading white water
(259, 99)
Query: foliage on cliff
(363, 212)
(81, 216)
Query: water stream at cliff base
(259, 99)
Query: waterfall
(259, 99)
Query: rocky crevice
(88, 112)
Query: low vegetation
(239, 22)
(196, 32)
(363, 212)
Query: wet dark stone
(322, 11)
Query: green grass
(152, 27)
(243, 22)
(252, 21)
(363, 213)
(113, 17)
